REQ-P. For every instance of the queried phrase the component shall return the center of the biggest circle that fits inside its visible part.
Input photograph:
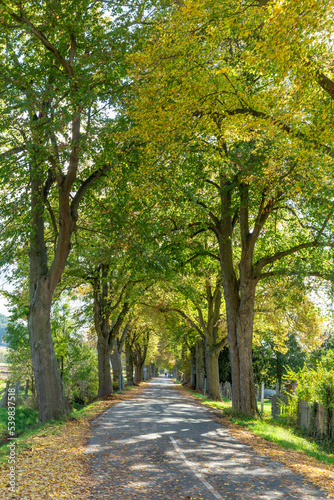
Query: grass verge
(225, 404)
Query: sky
(4, 285)
(3, 306)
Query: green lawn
(227, 403)
(286, 436)
(24, 418)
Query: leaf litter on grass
(54, 465)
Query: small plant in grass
(238, 417)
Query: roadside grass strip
(50, 462)
(282, 447)
(277, 441)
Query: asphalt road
(161, 446)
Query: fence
(278, 402)
(316, 420)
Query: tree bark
(116, 364)
(138, 373)
(213, 375)
(4, 399)
(103, 356)
(129, 363)
(33, 389)
(240, 299)
(193, 366)
(139, 357)
(212, 346)
(116, 358)
(239, 295)
(199, 364)
(106, 330)
(186, 365)
(51, 399)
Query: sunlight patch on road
(192, 466)
(143, 437)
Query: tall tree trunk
(239, 294)
(106, 330)
(240, 318)
(140, 357)
(193, 366)
(51, 399)
(103, 357)
(186, 377)
(213, 375)
(116, 356)
(4, 399)
(129, 363)
(33, 389)
(199, 364)
(116, 364)
(245, 320)
(186, 368)
(138, 373)
(212, 346)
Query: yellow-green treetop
(245, 138)
(219, 72)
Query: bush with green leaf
(81, 376)
(315, 386)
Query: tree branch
(30, 28)
(244, 223)
(83, 188)
(283, 126)
(181, 313)
(116, 328)
(12, 151)
(260, 264)
(213, 184)
(209, 254)
(221, 344)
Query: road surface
(161, 446)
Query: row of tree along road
(171, 163)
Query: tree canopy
(175, 161)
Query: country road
(161, 446)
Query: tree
(107, 326)
(197, 301)
(3, 324)
(116, 357)
(19, 355)
(61, 64)
(140, 342)
(287, 330)
(240, 146)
